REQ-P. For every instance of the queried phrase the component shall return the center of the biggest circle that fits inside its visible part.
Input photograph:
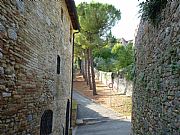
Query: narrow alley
(89, 67)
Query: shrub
(151, 10)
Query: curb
(74, 130)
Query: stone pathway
(94, 119)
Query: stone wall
(32, 34)
(120, 85)
(156, 94)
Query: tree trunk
(86, 71)
(89, 72)
(92, 72)
(82, 69)
(79, 64)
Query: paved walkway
(94, 119)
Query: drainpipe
(72, 78)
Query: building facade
(36, 42)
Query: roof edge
(73, 13)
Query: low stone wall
(121, 85)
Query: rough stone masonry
(156, 95)
(35, 66)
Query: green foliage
(81, 40)
(124, 59)
(96, 21)
(151, 10)
(118, 58)
(175, 67)
(80, 45)
(111, 40)
(123, 55)
(106, 65)
(129, 72)
(97, 18)
(104, 52)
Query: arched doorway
(67, 117)
(46, 123)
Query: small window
(58, 64)
(62, 14)
(46, 123)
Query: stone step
(87, 121)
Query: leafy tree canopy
(104, 52)
(124, 55)
(97, 18)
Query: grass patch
(74, 105)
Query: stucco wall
(32, 34)
(156, 94)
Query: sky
(125, 28)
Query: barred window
(58, 64)
(46, 123)
(62, 14)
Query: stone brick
(12, 33)
(9, 70)
(2, 28)
(1, 55)
(20, 5)
(2, 87)
(1, 70)
(155, 97)
(29, 117)
(5, 94)
(31, 36)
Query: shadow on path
(95, 119)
